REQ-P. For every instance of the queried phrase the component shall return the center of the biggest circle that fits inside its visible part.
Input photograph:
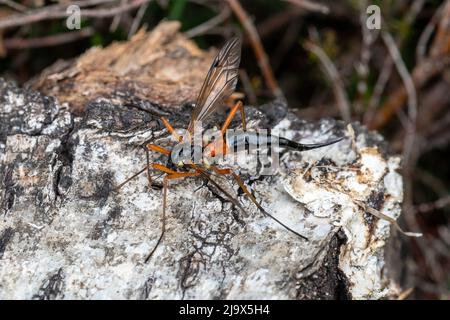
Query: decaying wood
(161, 66)
(66, 233)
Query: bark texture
(66, 233)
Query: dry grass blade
(309, 5)
(208, 25)
(59, 11)
(338, 86)
(14, 5)
(49, 41)
(137, 19)
(421, 49)
(380, 215)
(410, 89)
(257, 46)
(432, 206)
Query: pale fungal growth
(331, 193)
(65, 233)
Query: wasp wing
(220, 81)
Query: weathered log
(65, 232)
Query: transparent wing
(220, 81)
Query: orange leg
(231, 115)
(244, 188)
(162, 168)
(154, 147)
(172, 173)
(238, 180)
(235, 96)
(172, 176)
(244, 120)
(221, 171)
(149, 147)
(221, 145)
(156, 166)
(231, 104)
(178, 175)
(171, 129)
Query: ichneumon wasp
(219, 84)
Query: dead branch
(59, 11)
(441, 42)
(378, 90)
(278, 20)
(14, 5)
(410, 89)
(421, 74)
(311, 6)
(421, 49)
(386, 70)
(208, 25)
(137, 19)
(109, 12)
(289, 38)
(410, 151)
(435, 205)
(116, 20)
(335, 80)
(54, 40)
(257, 46)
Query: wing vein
(220, 82)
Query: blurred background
(327, 58)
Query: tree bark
(66, 233)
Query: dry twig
(421, 49)
(49, 41)
(208, 25)
(386, 70)
(278, 20)
(421, 74)
(335, 79)
(137, 19)
(310, 5)
(59, 11)
(14, 5)
(441, 42)
(116, 20)
(410, 151)
(410, 89)
(289, 38)
(256, 44)
(435, 205)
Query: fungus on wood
(77, 132)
